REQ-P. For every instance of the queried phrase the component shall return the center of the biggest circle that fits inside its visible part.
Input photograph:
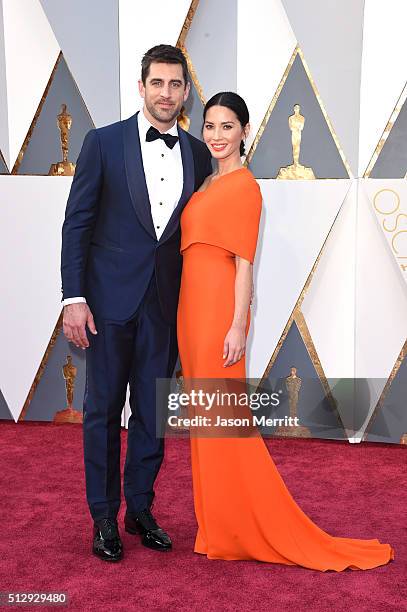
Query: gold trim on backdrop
(181, 45)
(391, 234)
(35, 119)
(386, 132)
(193, 75)
(39, 110)
(302, 326)
(402, 355)
(41, 368)
(187, 23)
(298, 51)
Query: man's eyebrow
(171, 81)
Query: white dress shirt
(164, 178)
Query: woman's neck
(228, 165)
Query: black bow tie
(153, 134)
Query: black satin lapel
(188, 186)
(136, 179)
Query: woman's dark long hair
(235, 103)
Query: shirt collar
(144, 125)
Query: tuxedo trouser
(134, 352)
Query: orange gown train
(242, 506)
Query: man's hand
(76, 317)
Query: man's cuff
(73, 300)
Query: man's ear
(141, 88)
(187, 90)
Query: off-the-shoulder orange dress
(242, 506)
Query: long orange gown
(242, 506)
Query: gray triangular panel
(88, 34)
(44, 147)
(3, 167)
(5, 413)
(392, 160)
(50, 395)
(389, 424)
(330, 34)
(314, 410)
(318, 148)
(194, 109)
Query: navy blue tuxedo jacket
(109, 246)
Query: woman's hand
(234, 345)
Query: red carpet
(349, 490)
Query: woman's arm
(235, 340)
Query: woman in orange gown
(242, 506)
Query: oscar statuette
(69, 415)
(182, 410)
(64, 167)
(183, 119)
(296, 170)
(293, 385)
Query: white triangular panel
(390, 207)
(3, 93)
(384, 71)
(31, 215)
(381, 298)
(329, 304)
(297, 217)
(265, 43)
(333, 53)
(155, 23)
(89, 39)
(381, 305)
(31, 52)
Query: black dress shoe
(107, 544)
(144, 524)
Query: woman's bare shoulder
(206, 183)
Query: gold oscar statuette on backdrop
(293, 385)
(69, 415)
(64, 167)
(183, 119)
(296, 170)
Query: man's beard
(165, 117)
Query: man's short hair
(164, 54)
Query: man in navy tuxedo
(121, 269)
